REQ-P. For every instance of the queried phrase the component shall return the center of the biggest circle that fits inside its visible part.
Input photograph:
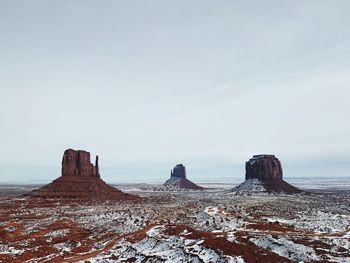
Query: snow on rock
(57, 233)
(231, 237)
(155, 231)
(158, 247)
(10, 250)
(323, 222)
(347, 235)
(173, 181)
(214, 210)
(280, 220)
(286, 248)
(62, 247)
(214, 218)
(185, 233)
(234, 259)
(250, 185)
(204, 254)
(341, 242)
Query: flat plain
(167, 225)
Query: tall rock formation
(263, 167)
(178, 171)
(80, 180)
(77, 163)
(263, 173)
(178, 179)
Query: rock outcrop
(263, 167)
(178, 171)
(178, 179)
(80, 180)
(77, 163)
(264, 174)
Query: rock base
(181, 182)
(80, 188)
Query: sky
(150, 84)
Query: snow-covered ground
(160, 247)
(213, 225)
(250, 185)
(286, 248)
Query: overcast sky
(149, 84)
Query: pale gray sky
(149, 84)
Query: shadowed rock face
(77, 163)
(263, 167)
(179, 171)
(80, 180)
(178, 179)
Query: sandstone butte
(178, 179)
(268, 170)
(80, 180)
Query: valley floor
(179, 226)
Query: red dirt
(250, 252)
(271, 227)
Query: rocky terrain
(178, 179)
(264, 174)
(79, 218)
(192, 226)
(80, 180)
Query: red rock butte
(267, 169)
(80, 180)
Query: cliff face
(80, 180)
(77, 163)
(263, 167)
(178, 171)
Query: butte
(263, 173)
(178, 179)
(80, 180)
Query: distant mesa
(264, 174)
(178, 179)
(80, 180)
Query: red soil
(274, 227)
(80, 188)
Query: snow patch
(286, 248)
(250, 185)
(214, 210)
(155, 231)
